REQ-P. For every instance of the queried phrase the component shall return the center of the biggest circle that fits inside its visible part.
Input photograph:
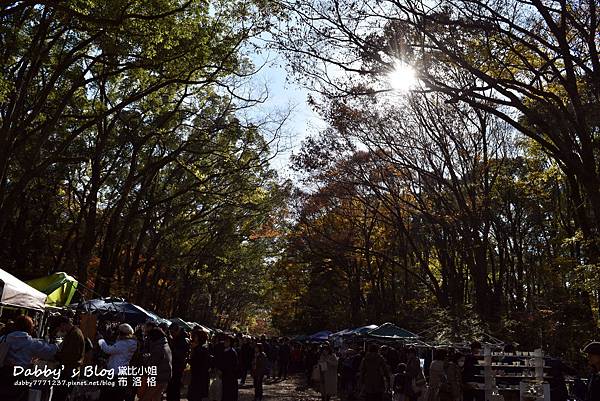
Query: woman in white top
(122, 350)
(120, 354)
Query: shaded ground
(291, 389)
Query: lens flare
(403, 77)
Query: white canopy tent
(14, 292)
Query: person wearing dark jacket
(401, 383)
(259, 368)
(284, 359)
(200, 362)
(558, 385)
(148, 327)
(179, 350)
(454, 377)
(272, 352)
(374, 374)
(470, 372)
(229, 367)
(311, 359)
(160, 356)
(246, 358)
(392, 358)
(70, 354)
(593, 389)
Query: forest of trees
(132, 157)
(470, 204)
(125, 159)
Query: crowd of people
(446, 374)
(213, 369)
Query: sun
(403, 77)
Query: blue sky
(284, 94)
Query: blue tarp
(118, 310)
(320, 336)
(181, 323)
(158, 319)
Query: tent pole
(42, 326)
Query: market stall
(343, 336)
(59, 288)
(16, 293)
(389, 331)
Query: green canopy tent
(60, 288)
(390, 331)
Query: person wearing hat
(593, 352)
(120, 354)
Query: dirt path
(288, 390)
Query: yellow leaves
(266, 231)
